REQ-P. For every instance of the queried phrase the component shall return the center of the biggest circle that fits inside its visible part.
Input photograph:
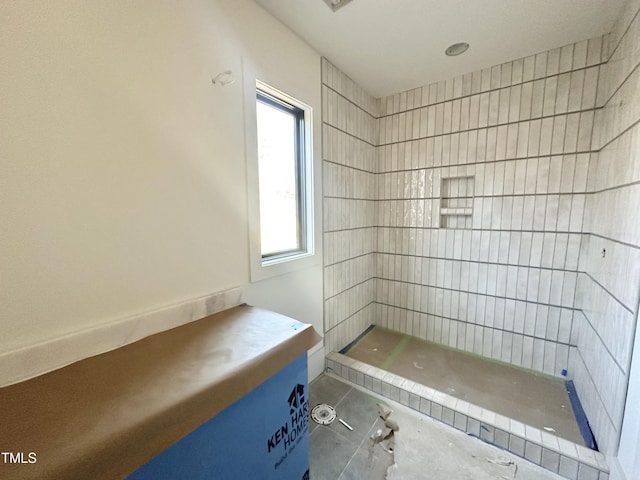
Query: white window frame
(262, 268)
(298, 115)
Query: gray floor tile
(329, 453)
(359, 410)
(424, 448)
(325, 389)
(370, 462)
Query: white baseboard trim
(28, 362)
(315, 361)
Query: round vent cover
(323, 414)
(457, 49)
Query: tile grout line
(366, 436)
(345, 362)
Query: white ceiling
(388, 46)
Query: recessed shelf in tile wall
(456, 201)
(456, 211)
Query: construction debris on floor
(376, 448)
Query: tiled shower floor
(537, 400)
(436, 399)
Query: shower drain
(323, 414)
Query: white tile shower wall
(505, 288)
(609, 285)
(349, 133)
(548, 277)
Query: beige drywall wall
(122, 168)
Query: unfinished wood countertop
(105, 416)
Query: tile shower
(495, 212)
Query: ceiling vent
(457, 49)
(336, 4)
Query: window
(280, 181)
(281, 174)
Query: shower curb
(552, 453)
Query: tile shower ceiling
(390, 46)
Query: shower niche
(456, 201)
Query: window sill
(264, 269)
(284, 259)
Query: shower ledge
(556, 454)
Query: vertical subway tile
(533, 452)
(585, 472)
(517, 445)
(473, 427)
(524, 130)
(460, 421)
(568, 468)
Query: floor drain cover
(323, 414)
